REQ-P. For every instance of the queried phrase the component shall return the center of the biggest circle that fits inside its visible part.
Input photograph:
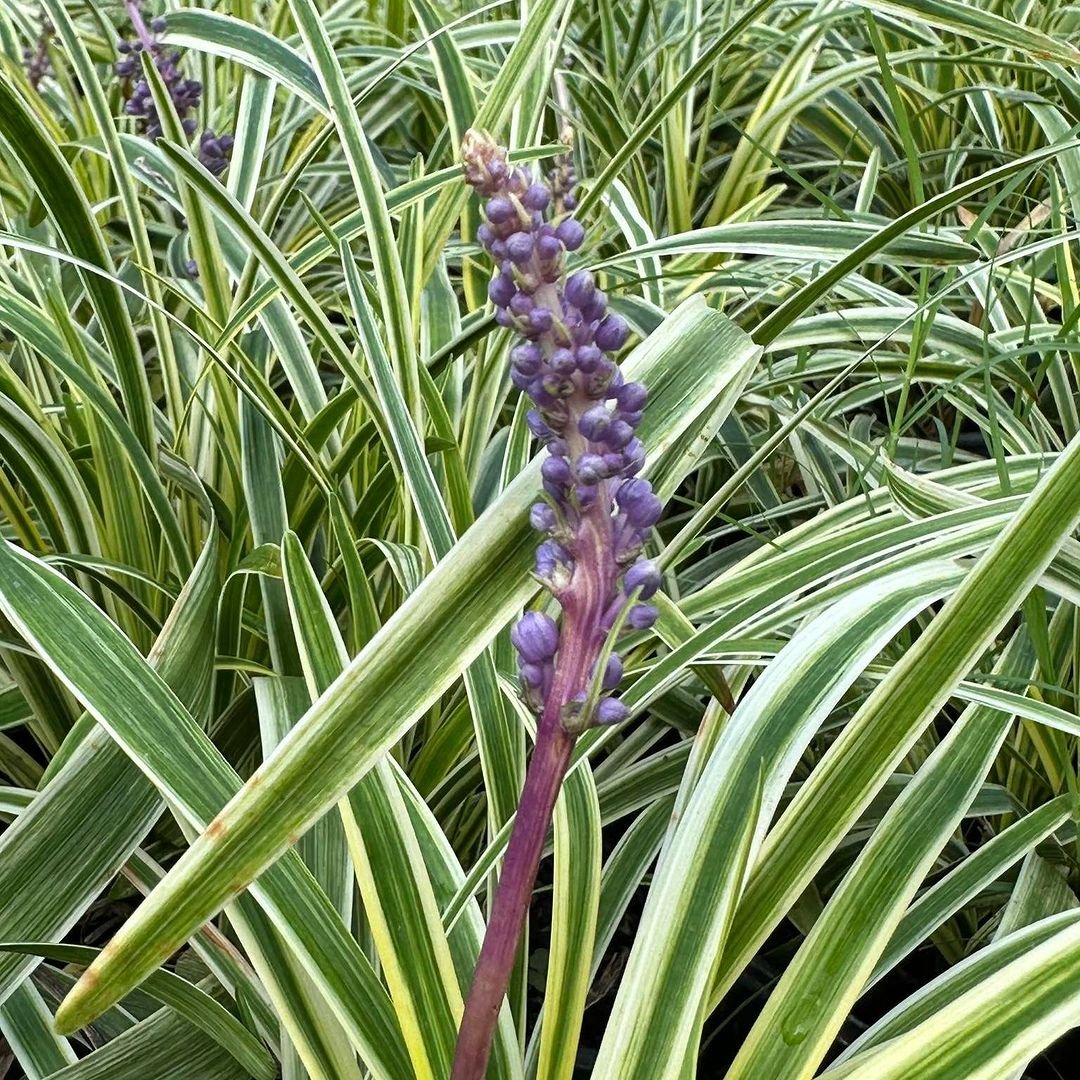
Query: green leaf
(123, 693)
(187, 1000)
(657, 1013)
(453, 615)
(992, 1029)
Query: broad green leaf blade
(812, 999)
(26, 1024)
(875, 740)
(994, 1028)
(187, 1000)
(459, 607)
(657, 1013)
(124, 694)
(235, 39)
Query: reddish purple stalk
(511, 904)
(584, 601)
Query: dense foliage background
(264, 488)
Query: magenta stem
(134, 10)
(583, 601)
(510, 907)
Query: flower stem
(510, 906)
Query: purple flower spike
(36, 60)
(186, 94)
(595, 520)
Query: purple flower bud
(553, 564)
(611, 334)
(596, 308)
(158, 25)
(613, 672)
(556, 470)
(618, 434)
(586, 494)
(531, 675)
(499, 210)
(521, 304)
(591, 468)
(588, 357)
(643, 575)
(636, 499)
(580, 288)
(536, 197)
(572, 233)
(556, 386)
(498, 250)
(563, 361)
(485, 235)
(502, 290)
(541, 319)
(548, 246)
(632, 397)
(519, 247)
(642, 616)
(527, 358)
(542, 517)
(634, 457)
(611, 711)
(536, 424)
(536, 637)
(594, 423)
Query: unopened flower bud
(536, 637)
